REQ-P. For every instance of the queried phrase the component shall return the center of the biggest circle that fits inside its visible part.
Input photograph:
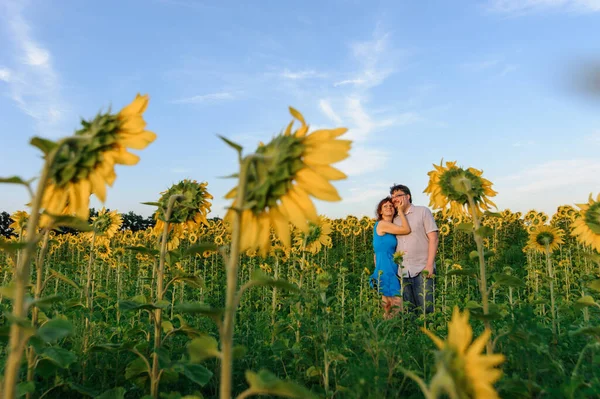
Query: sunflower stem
(160, 277)
(18, 334)
(483, 279)
(226, 330)
(552, 300)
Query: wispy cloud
(363, 124)
(325, 107)
(363, 160)
(34, 84)
(522, 7)
(206, 98)
(303, 74)
(523, 143)
(367, 194)
(375, 62)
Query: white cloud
(5, 74)
(33, 83)
(525, 143)
(298, 75)
(521, 7)
(375, 61)
(367, 194)
(325, 107)
(206, 98)
(363, 160)
(363, 125)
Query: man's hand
(429, 270)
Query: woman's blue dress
(385, 246)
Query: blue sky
(485, 83)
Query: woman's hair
(380, 207)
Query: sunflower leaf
(265, 382)
(43, 144)
(151, 203)
(143, 250)
(72, 222)
(64, 278)
(466, 227)
(595, 285)
(10, 246)
(507, 280)
(233, 145)
(200, 248)
(484, 231)
(13, 180)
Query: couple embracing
(411, 230)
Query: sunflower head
(317, 236)
(451, 187)
(189, 211)
(107, 223)
(19, 224)
(281, 176)
(461, 367)
(86, 166)
(545, 237)
(586, 228)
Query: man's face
(399, 197)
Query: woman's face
(387, 209)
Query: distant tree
(5, 221)
(134, 222)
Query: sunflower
(586, 228)
(468, 372)
(19, 224)
(451, 186)
(293, 166)
(87, 166)
(346, 231)
(317, 236)
(105, 224)
(444, 229)
(545, 237)
(193, 238)
(187, 213)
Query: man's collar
(409, 210)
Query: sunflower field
(274, 300)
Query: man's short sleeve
(429, 221)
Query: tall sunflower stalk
(464, 191)
(273, 189)
(181, 208)
(546, 239)
(75, 167)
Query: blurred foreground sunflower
(586, 228)
(19, 224)
(87, 166)
(292, 167)
(462, 370)
(451, 186)
(545, 237)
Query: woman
(385, 276)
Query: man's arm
(431, 250)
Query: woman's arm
(387, 227)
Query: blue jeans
(418, 293)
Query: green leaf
(200, 248)
(485, 231)
(233, 145)
(194, 281)
(13, 180)
(64, 278)
(585, 301)
(144, 250)
(167, 326)
(8, 291)
(23, 388)
(196, 373)
(199, 308)
(71, 222)
(59, 356)
(132, 305)
(53, 330)
(238, 352)
(465, 227)
(506, 280)
(135, 368)
(12, 246)
(115, 393)
(260, 278)
(464, 272)
(493, 214)
(265, 382)
(202, 348)
(595, 285)
(46, 302)
(43, 144)
(106, 348)
(593, 331)
(151, 203)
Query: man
(420, 247)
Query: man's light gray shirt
(416, 244)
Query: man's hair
(401, 187)
(380, 208)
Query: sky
(487, 83)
